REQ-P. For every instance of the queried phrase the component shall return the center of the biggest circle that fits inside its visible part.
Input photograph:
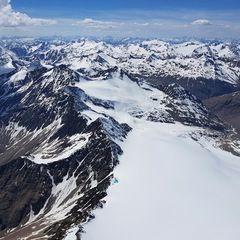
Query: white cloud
(149, 24)
(10, 18)
(201, 22)
(142, 24)
(91, 23)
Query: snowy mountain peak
(212, 60)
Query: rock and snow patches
(169, 186)
(212, 60)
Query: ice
(170, 187)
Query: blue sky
(126, 18)
(66, 7)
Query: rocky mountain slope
(226, 107)
(67, 107)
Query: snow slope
(170, 187)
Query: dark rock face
(200, 87)
(227, 108)
(27, 186)
(43, 110)
(38, 102)
(23, 185)
(189, 110)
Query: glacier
(170, 187)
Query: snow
(71, 234)
(62, 203)
(20, 75)
(146, 58)
(44, 154)
(35, 48)
(127, 95)
(59, 200)
(170, 187)
(223, 51)
(186, 49)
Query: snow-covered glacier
(169, 186)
